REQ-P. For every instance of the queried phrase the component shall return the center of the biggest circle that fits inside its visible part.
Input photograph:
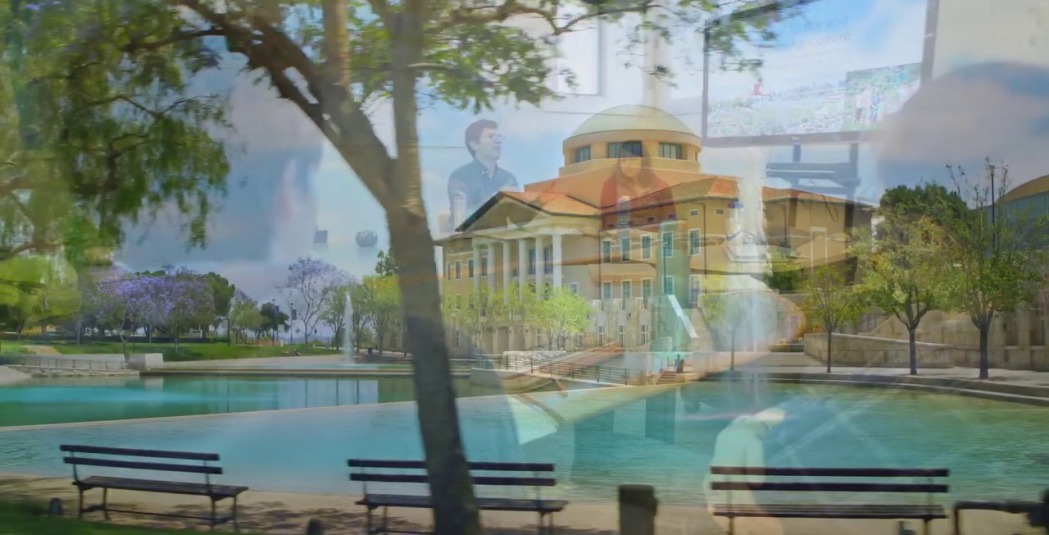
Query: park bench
(804, 480)
(118, 458)
(496, 474)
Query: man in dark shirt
(474, 183)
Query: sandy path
(288, 513)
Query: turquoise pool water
(994, 449)
(49, 401)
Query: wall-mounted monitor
(834, 71)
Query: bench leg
(385, 519)
(925, 527)
(80, 503)
(236, 526)
(214, 514)
(731, 525)
(368, 520)
(105, 503)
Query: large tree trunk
(913, 347)
(451, 487)
(455, 508)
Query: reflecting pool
(601, 438)
(49, 401)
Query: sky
(989, 97)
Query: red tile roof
(553, 203)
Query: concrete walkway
(10, 377)
(1006, 385)
(284, 513)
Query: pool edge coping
(942, 385)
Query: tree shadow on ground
(275, 517)
(270, 517)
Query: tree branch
(335, 111)
(510, 8)
(32, 245)
(273, 40)
(336, 43)
(136, 45)
(10, 186)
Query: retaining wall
(869, 351)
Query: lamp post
(275, 311)
(291, 328)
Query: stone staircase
(668, 378)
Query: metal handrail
(50, 362)
(597, 373)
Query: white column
(507, 266)
(539, 265)
(522, 263)
(558, 276)
(490, 267)
(477, 266)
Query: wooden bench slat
(828, 487)
(476, 465)
(489, 504)
(510, 479)
(82, 455)
(101, 450)
(511, 467)
(888, 511)
(829, 472)
(171, 487)
(372, 463)
(140, 465)
(506, 481)
(858, 511)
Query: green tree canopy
(100, 128)
(830, 302)
(562, 314)
(987, 262)
(901, 272)
(35, 289)
(244, 315)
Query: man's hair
(473, 132)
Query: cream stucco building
(674, 232)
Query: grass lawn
(10, 347)
(186, 350)
(32, 519)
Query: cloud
(270, 201)
(971, 32)
(264, 121)
(996, 110)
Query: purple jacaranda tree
(186, 301)
(124, 302)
